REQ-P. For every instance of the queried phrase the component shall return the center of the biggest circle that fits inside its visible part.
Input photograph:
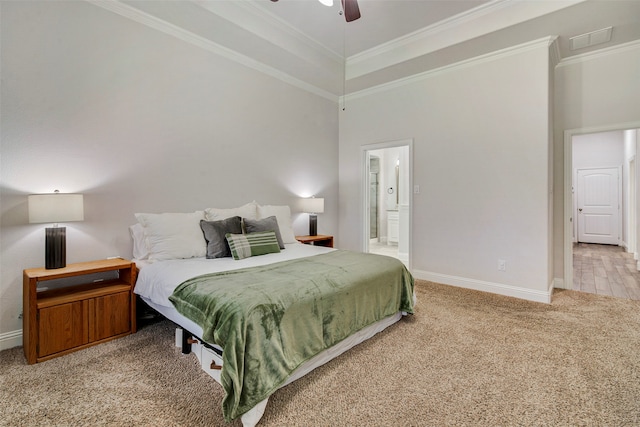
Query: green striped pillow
(252, 244)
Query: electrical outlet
(20, 315)
(502, 265)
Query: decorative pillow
(215, 234)
(139, 245)
(250, 210)
(173, 235)
(253, 244)
(283, 215)
(266, 224)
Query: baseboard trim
(479, 285)
(10, 339)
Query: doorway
(615, 158)
(387, 199)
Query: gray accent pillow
(215, 234)
(265, 224)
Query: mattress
(157, 281)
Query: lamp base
(313, 225)
(55, 247)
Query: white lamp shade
(55, 208)
(312, 205)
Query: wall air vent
(591, 39)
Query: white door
(598, 206)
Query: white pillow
(173, 235)
(283, 216)
(139, 245)
(246, 211)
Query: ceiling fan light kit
(350, 8)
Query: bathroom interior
(389, 202)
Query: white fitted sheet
(157, 280)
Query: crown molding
(268, 26)
(545, 42)
(600, 53)
(554, 51)
(163, 26)
(486, 18)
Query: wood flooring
(605, 270)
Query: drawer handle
(215, 366)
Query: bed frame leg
(186, 341)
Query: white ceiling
(382, 20)
(304, 42)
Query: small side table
(69, 318)
(319, 240)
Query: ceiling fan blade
(351, 10)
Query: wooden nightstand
(319, 240)
(75, 316)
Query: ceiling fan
(350, 7)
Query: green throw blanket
(271, 319)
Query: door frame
(364, 189)
(568, 193)
(632, 225)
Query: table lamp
(312, 206)
(55, 208)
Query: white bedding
(156, 281)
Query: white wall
(481, 159)
(390, 160)
(602, 149)
(594, 92)
(139, 121)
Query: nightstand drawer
(62, 327)
(111, 316)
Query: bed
(266, 319)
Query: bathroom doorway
(387, 203)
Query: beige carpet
(465, 358)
